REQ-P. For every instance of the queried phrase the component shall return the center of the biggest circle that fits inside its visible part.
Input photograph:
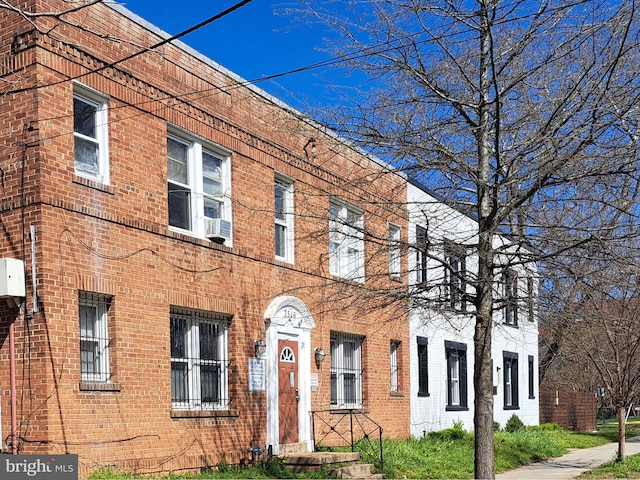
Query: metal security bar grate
(199, 365)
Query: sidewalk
(572, 464)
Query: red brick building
(171, 219)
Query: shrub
(545, 427)
(454, 433)
(513, 424)
(496, 426)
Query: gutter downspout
(14, 393)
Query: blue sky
(255, 41)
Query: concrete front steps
(342, 464)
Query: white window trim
(454, 379)
(100, 101)
(196, 145)
(100, 336)
(346, 241)
(288, 222)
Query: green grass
(630, 468)
(446, 454)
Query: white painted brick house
(442, 322)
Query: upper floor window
(94, 337)
(456, 357)
(199, 187)
(510, 297)
(454, 274)
(346, 241)
(90, 151)
(284, 238)
(199, 364)
(531, 299)
(346, 370)
(394, 250)
(421, 254)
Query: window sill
(203, 413)
(512, 325)
(456, 409)
(397, 394)
(96, 185)
(424, 394)
(513, 407)
(99, 387)
(343, 410)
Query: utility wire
(189, 30)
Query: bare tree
(516, 112)
(599, 332)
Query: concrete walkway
(572, 464)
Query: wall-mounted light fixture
(319, 356)
(260, 347)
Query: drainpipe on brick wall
(14, 393)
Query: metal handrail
(337, 417)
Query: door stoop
(293, 448)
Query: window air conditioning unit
(217, 230)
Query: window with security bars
(94, 337)
(346, 371)
(199, 365)
(394, 366)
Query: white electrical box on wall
(12, 278)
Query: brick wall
(113, 239)
(571, 410)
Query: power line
(189, 30)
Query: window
(198, 184)
(394, 366)
(532, 372)
(455, 271)
(422, 244)
(94, 337)
(346, 241)
(510, 282)
(283, 197)
(423, 367)
(394, 251)
(346, 371)
(530, 299)
(510, 364)
(199, 365)
(456, 357)
(90, 150)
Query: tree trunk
(622, 423)
(482, 374)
